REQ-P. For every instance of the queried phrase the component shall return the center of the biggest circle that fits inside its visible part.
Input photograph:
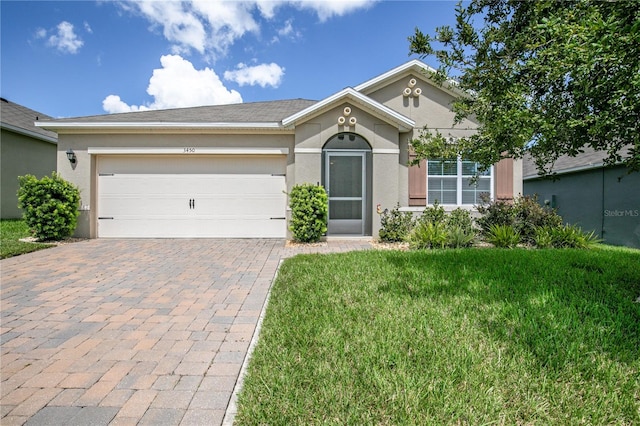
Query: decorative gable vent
(411, 90)
(347, 121)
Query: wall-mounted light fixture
(71, 156)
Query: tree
(541, 77)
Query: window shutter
(504, 179)
(417, 182)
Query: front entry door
(345, 184)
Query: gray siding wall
(21, 155)
(606, 201)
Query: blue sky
(77, 58)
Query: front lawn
(480, 336)
(11, 231)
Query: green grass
(482, 336)
(11, 230)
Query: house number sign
(189, 150)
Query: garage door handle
(278, 218)
(192, 203)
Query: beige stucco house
(24, 149)
(224, 171)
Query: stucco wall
(383, 139)
(21, 155)
(432, 107)
(606, 201)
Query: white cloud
(180, 25)
(287, 29)
(262, 75)
(176, 85)
(227, 21)
(202, 25)
(88, 28)
(211, 27)
(41, 33)
(326, 9)
(113, 104)
(65, 40)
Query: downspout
(602, 208)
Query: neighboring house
(223, 171)
(24, 149)
(588, 194)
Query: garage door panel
(254, 184)
(175, 227)
(257, 205)
(244, 227)
(158, 205)
(143, 207)
(134, 185)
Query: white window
(449, 181)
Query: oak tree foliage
(542, 77)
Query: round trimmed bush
(309, 212)
(49, 205)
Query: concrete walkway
(133, 332)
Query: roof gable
(349, 94)
(412, 67)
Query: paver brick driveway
(132, 331)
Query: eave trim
(403, 123)
(186, 150)
(75, 125)
(29, 133)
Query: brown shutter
(417, 182)
(504, 179)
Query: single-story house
(224, 171)
(585, 192)
(24, 149)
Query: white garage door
(175, 197)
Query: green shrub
(460, 218)
(433, 214)
(543, 237)
(458, 237)
(504, 236)
(530, 215)
(571, 236)
(309, 208)
(395, 225)
(525, 215)
(426, 235)
(495, 213)
(437, 229)
(50, 206)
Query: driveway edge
(232, 408)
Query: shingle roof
(588, 160)
(20, 119)
(255, 112)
